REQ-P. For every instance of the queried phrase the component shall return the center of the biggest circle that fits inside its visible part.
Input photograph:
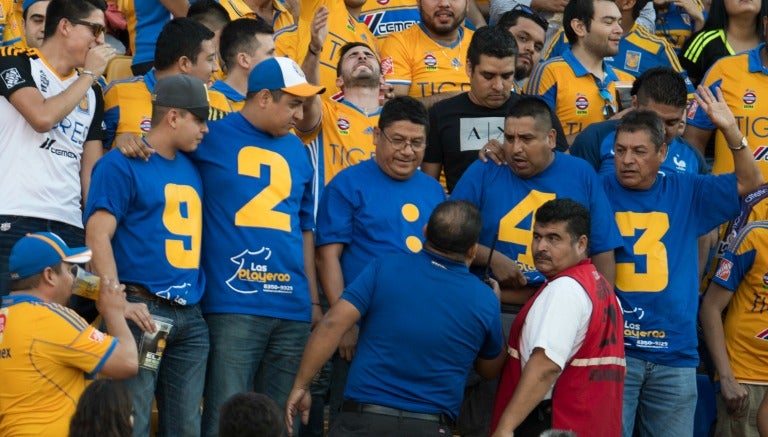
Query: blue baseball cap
(27, 4)
(34, 252)
(281, 74)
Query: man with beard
(424, 61)
(463, 124)
(566, 361)
(530, 32)
(579, 86)
(508, 195)
(344, 137)
(343, 28)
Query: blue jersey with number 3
(657, 267)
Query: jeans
(250, 353)
(661, 398)
(12, 228)
(178, 384)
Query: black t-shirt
(701, 51)
(458, 129)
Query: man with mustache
(569, 333)
(508, 195)
(425, 60)
(461, 125)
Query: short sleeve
(394, 60)
(15, 72)
(335, 214)
(112, 187)
(557, 321)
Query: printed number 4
(509, 225)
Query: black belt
(137, 290)
(357, 407)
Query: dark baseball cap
(182, 91)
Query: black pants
(368, 424)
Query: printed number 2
(259, 211)
(649, 245)
(509, 225)
(183, 216)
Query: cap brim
(201, 113)
(304, 90)
(78, 255)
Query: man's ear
(579, 28)
(582, 245)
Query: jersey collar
(579, 70)
(228, 91)
(443, 262)
(13, 299)
(450, 46)
(150, 80)
(755, 64)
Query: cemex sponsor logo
(48, 144)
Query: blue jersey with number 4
(507, 204)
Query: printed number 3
(649, 245)
(259, 212)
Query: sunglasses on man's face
(96, 28)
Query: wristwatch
(742, 145)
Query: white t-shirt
(40, 172)
(557, 322)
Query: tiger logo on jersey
(84, 105)
(632, 61)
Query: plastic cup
(152, 344)
(86, 283)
